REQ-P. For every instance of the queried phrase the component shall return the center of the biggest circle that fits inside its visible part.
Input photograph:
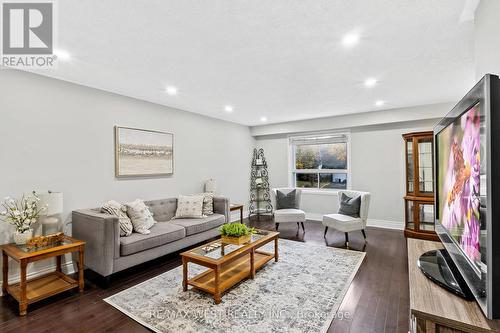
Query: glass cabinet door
(409, 167)
(425, 174)
(426, 216)
(410, 218)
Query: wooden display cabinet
(419, 198)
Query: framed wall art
(142, 153)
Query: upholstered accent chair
(346, 223)
(288, 215)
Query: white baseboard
(385, 224)
(67, 268)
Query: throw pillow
(285, 201)
(189, 206)
(208, 203)
(117, 209)
(141, 217)
(349, 206)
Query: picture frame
(143, 153)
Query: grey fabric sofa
(107, 253)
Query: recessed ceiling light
(370, 82)
(263, 119)
(228, 108)
(379, 103)
(171, 90)
(62, 55)
(350, 39)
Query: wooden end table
(234, 207)
(227, 264)
(41, 287)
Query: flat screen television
(467, 192)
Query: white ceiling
(282, 59)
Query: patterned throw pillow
(141, 217)
(208, 203)
(189, 206)
(117, 209)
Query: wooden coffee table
(228, 264)
(38, 288)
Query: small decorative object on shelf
(260, 198)
(236, 233)
(22, 214)
(419, 198)
(42, 241)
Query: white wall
(377, 166)
(59, 136)
(486, 35)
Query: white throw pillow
(141, 217)
(117, 209)
(189, 206)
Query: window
(320, 162)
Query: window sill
(320, 192)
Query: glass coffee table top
(215, 250)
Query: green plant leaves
(236, 229)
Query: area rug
(300, 293)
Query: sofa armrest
(101, 232)
(221, 206)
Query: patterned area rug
(300, 293)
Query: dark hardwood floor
(377, 300)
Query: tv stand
(438, 266)
(434, 309)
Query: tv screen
(467, 190)
(459, 183)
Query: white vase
(20, 238)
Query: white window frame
(317, 136)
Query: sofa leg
(347, 239)
(326, 230)
(364, 234)
(302, 224)
(277, 226)
(106, 281)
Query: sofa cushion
(289, 215)
(343, 223)
(161, 233)
(163, 210)
(195, 226)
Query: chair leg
(277, 226)
(326, 230)
(347, 239)
(303, 229)
(364, 234)
(298, 226)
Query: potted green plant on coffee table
(236, 233)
